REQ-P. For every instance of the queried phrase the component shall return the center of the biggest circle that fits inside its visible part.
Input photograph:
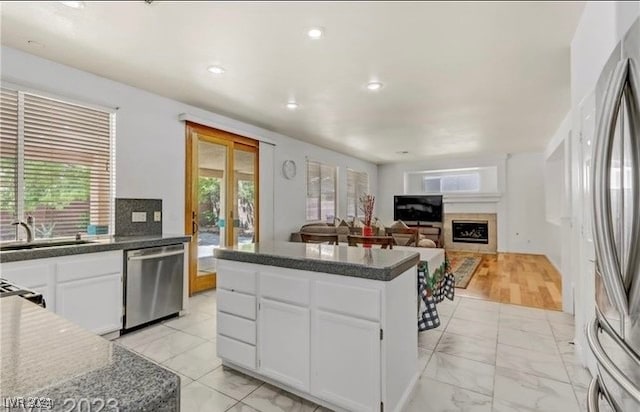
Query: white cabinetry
(346, 359)
(36, 275)
(89, 290)
(85, 289)
(320, 335)
(284, 342)
(237, 311)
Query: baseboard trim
(402, 403)
(408, 393)
(280, 385)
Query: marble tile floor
(485, 356)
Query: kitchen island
(54, 365)
(333, 324)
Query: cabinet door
(284, 343)
(35, 275)
(94, 303)
(346, 361)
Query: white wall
(520, 208)
(601, 26)
(525, 203)
(150, 145)
(557, 207)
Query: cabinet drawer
(349, 300)
(237, 328)
(236, 352)
(237, 303)
(88, 265)
(28, 274)
(235, 279)
(284, 288)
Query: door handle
(194, 225)
(156, 256)
(604, 243)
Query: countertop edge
(120, 244)
(316, 265)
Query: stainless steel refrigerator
(614, 335)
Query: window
(357, 186)
(469, 182)
(321, 191)
(56, 164)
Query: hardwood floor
(519, 279)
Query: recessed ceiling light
(374, 85)
(315, 33)
(292, 105)
(215, 69)
(74, 4)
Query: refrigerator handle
(604, 243)
(633, 114)
(605, 362)
(592, 395)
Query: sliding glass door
(221, 200)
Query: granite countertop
(98, 244)
(374, 263)
(45, 356)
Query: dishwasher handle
(155, 255)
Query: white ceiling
(459, 78)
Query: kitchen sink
(42, 244)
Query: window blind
(66, 164)
(321, 191)
(8, 162)
(357, 186)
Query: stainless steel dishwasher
(153, 284)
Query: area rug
(463, 269)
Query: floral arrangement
(366, 206)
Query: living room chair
(318, 238)
(384, 241)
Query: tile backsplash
(135, 217)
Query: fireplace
(470, 231)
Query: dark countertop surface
(44, 355)
(98, 244)
(374, 263)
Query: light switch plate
(138, 216)
(157, 216)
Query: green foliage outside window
(48, 186)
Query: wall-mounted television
(417, 208)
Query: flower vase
(367, 231)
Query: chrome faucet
(27, 227)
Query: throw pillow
(399, 224)
(377, 223)
(426, 243)
(343, 230)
